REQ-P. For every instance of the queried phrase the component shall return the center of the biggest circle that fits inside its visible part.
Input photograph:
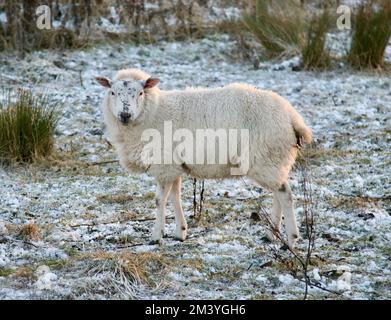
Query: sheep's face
(126, 97)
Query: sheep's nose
(125, 116)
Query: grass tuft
(29, 231)
(315, 56)
(285, 29)
(27, 125)
(278, 25)
(115, 198)
(371, 33)
(127, 274)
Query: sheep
(134, 104)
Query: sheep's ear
(104, 82)
(151, 82)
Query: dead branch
(198, 206)
(309, 220)
(99, 163)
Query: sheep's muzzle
(124, 117)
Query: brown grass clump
(25, 273)
(127, 274)
(315, 56)
(27, 125)
(29, 231)
(356, 202)
(278, 25)
(371, 34)
(284, 28)
(115, 198)
(127, 216)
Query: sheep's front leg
(175, 197)
(162, 193)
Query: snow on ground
(86, 212)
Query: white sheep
(134, 104)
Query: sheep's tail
(302, 132)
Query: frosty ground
(94, 221)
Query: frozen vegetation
(90, 223)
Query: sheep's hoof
(292, 240)
(181, 239)
(153, 242)
(270, 236)
(181, 234)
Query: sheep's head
(126, 96)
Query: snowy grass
(82, 209)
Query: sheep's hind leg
(275, 218)
(175, 197)
(163, 191)
(284, 195)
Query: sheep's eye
(112, 93)
(141, 93)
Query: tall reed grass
(27, 125)
(371, 34)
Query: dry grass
(278, 25)
(115, 198)
(25, 273)
(139, 267)
(27, 125)
(127, 274)
(371, 33)
(315, 56)
(316, 156)
(357, 202)
(316, 153)
(21, 33)
(126, 216)
(29, 231)
(284, 28)
(60, 39)
(140, 24)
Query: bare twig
(309, 221)
(194, 197)
(99, 163)
(17, 240)
(131, 245)
(201, 197)
(81, 79)
(197, 207)
(319, 286)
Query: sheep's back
(237, 106)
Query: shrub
(284, 28)
(314, 53)
(27, 125)
(371, 33)
(20, 32)
(278, 25)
